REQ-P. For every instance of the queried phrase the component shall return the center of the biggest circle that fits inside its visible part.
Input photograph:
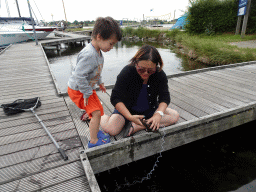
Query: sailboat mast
(33, 23)
(18, 8)
(64, 10)
(7, 8)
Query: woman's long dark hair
(148, 52)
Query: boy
(87, 73)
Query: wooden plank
(24, 78)
(11, 130)
(89, 173)
(36, 142)
(26, 89)
(199, 104)
(31, 81)
(233, 80)
(73, 185)
(7, 139)
(227, 95)
(244, 74)
(228, 83)
(183, 114)
(104, 97)
(198, 94)
(43, 156)
(232, 91)
(188, 107)
(49, 178)
(249, 68)
(247, 82)
(28, 95)
(135, 148)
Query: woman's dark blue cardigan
(129, 84)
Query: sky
(82, 10)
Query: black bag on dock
(20, 106)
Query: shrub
(212, 16)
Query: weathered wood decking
(209, 101)
(28, 159)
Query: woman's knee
(114, 125)
(173, 114)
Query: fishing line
(148, 176)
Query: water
(219, 163)
(63, 61)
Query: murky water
(219, 163)
(63, 61)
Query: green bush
(216, 16)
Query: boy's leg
(94, 126)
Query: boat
(19, 29)
(11, 37)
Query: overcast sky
(83, 10)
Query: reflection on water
(63, 61)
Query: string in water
(148, 176)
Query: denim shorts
(148, 114)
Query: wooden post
(238, 25)
(89, 173)
(246, 19)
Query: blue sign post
(242, 3)
(242, 7)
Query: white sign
(241, 11)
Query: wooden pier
(67, 38)
(209, 101)
(28, 159)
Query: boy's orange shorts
(93, 102)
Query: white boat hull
(11, 37)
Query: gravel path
(244, 44)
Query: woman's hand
(102, 88)
(136, 119)
(154, 121)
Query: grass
(216, 50)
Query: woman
(141, 92)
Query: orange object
(93, 102)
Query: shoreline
(214, 50)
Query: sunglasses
(143, 70)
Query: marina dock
(209, 101)
(67, 38)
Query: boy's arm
(84, 66)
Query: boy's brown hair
(148, 52)
(106, 27)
